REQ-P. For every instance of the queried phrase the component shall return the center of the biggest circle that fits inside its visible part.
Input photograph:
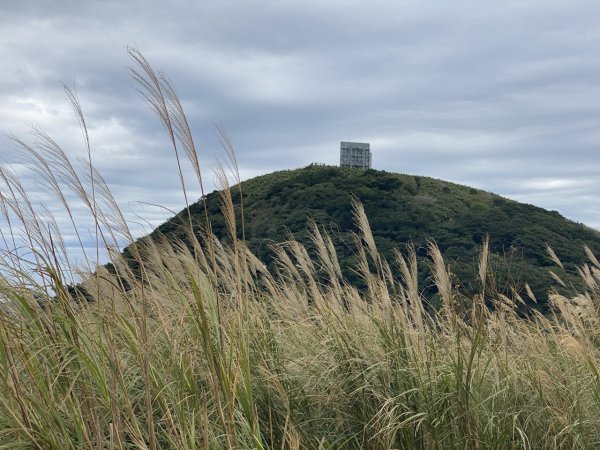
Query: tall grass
(203, 346)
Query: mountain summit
(403, 209)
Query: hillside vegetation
(403, 209)
(209, 348)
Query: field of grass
(207, 348)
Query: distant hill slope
(406, 209)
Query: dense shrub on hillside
(405, 209)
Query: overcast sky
(499, 95)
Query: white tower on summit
(355, 154)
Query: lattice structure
(355, 154)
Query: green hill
(405, 209)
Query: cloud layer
(503, 96)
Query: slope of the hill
(405, 209)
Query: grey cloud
(490, 94)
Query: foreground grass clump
(201, 346)
(209, 350)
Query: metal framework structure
(355, 154)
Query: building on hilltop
(355, 154)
